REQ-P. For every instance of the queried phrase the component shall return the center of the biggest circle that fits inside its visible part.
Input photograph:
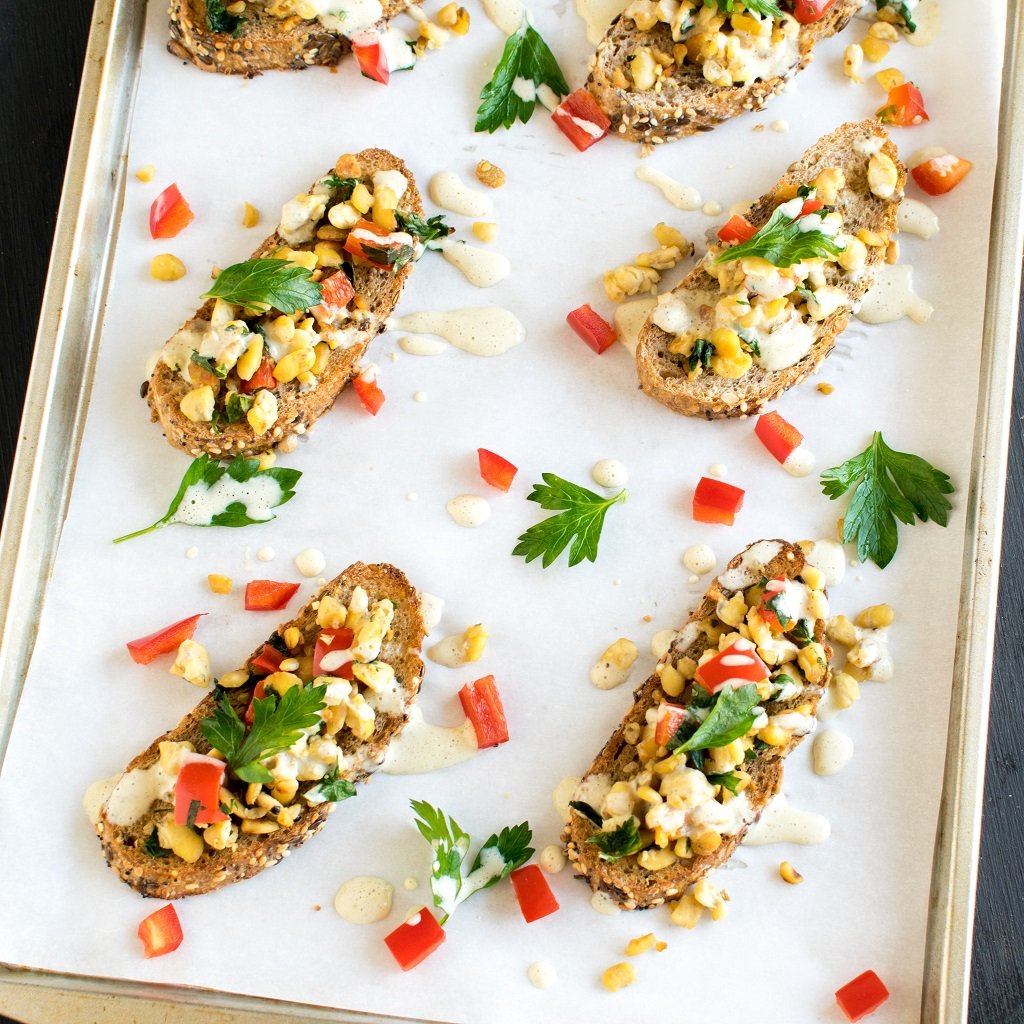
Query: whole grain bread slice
(169, 877)
(298, 407)
(685, 102)
(261, 41)
(664, 376)
(626, 880)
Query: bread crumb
(648, 618)
(759, 128)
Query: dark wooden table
(41, 52)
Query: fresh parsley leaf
(207, 363)
(902, 8)
(341, 187)
(751, 342)
(580, 522)
(730, 780)
(236, 406)
(619, 842)
(700, 355)
(767, 8)
(525, 56)
(588, 812)
(701, 697)
(206, 473)
(730, 718)
(262, 284)
(392, 257)
(424, 230)
(151, 846)
(774, 605)
(804, 630)
(782, 680)
(218, 19)
(887, 486)
(782, 243)
(500, 855)
(277, 724)
(334, 789)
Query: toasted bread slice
(298, 405)
(666, 375)
(139, 811)
(261, 41)
(681, 100)
(693, 826)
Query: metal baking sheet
(55, 420)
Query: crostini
(261, 762)
(670, 68)
(266, 357)
(763, 308)
(699, 754)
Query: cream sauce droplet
(419, 396)
(96, 796)
(417, 345)
(799, 462)
(506, 14)
(431, 608)
(629, 318)
(683, 197)
(265, 554)
(718, 470)
(423, 747)
(310, 562)
(781, 823)
(410, 884)
(481, 331)
(562, 794)
(541, 974)
(604, 904)
(928, 18)
(552, 858)
(662, 641)
(450, 652)
(829, 558)
(916, 218)
(469, 510)
(450, 192)
(192, 553)
(781, 126)
(699, 559)
(831, 752)
(364, 899)
(892, 297)
(480, 267)
(610, 473)
(597, 15)
(712, 208)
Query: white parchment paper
(548, 405)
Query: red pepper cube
(779, 436)
(495, 470)
(536, 900)
(267, 661)
(161, 932)
(369, 393)
(482, 704)
(262, 378)
(411, 943)
(716, 502)
(941, 174)
(809, 11)
(738, 663)
(170, 214)
(197, 790)
(736, 229)
(581, 120)
(268, 595)
(146, 648)
(373, 60)
(905, 107)
(862, 996)
(336, 292)
(592, 328)
(670, 717)
(258, 693)
(331, 641)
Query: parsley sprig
(618, 842)
(425, 230)
(525, 56)
(451, 845)
(261, 284)
(782, 243)
(204, 474)
(580, 521)
(766, 8)
(277, 723)
(887, 486)
(331, 788)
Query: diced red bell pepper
(262, 378)
(739, 662)
(161, 932)
(779, 436)
(330, 640)
(482, 704)
(905, 107)
(411, 943)
(862, 996)
(336, 292)
(198, 782)
(258, 693)
(670, 717)
(170, 214)
(369, 393)
(941, 174)
(771, 617)
(716, 502)
(268, 660)
(146, 648)
(809, 11)
(810, 206)
(581, 120)
(592, 328)
(268, 595)
(536, 900)
(373, 61)
(357, 242)
(495, 470)
(736, 229)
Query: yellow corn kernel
(360, 717)
(817, 604)
(183, 841)
(294, 363)
(219, 584)
(361, 198)
(824, 388)
(300, 257)
(643, 69)
(672, 681)
(892, 252)
(842, 630)
(668, 764)
(330, 613)
(885, 31)
(146, 173)
(289, 665)
(705, 843)
(847, 689)
(814, 578)
(788, 873)
(374, 675)
(878, 616)
(874, 49)
(431, 37)
(447, 16)
(666, 235)
(618, 976)
(262, 414)
(718, 911)
(342, 217)
(284, 790)
(170, 754)
(890, 78)
(628, 280)
(281, 682)
(656, 860)
(724, 759)
(872, 238)
(293, 636)
(250, 216)
(620, 654)
(813, 662)
(854, 256)
(706, 893)
(882, 175)
(489, 174)
(249, 361)
(166, 267)
(327, 255)
(733, 611)
(773, 736)
(664, 258)
(232, 680)
(347, 166)
(859, 673)
(641, 944)
(686, 667)
(828, 183)
(259, 826)
(853, 61)
(221, 835)
(197, 405)
(743, 780)
(687, 912)
(649, 795)
(486, 231)
(746, 23)
(474, 640)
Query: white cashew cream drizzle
(479, 330)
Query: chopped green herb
(341, 187)
(782, 243)
(700, 355)
(218, 19)
(730, 780)
(151, 846)
(902, 8)
(767, 8)
(391, 257)
(619, 842)
(334, 789)
(425, 230)
(588, 812)
(207, 363)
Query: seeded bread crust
(687, 103)
(298, 410)
(629, 884)
(663, 376)
(170, 877)
(262, 43)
